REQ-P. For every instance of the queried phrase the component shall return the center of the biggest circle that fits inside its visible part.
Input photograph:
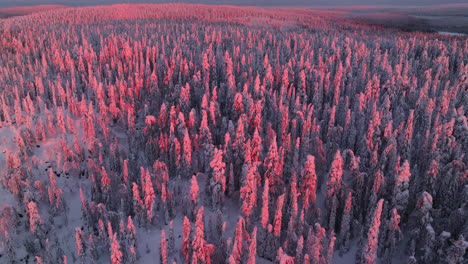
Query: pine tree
(335, 176)
(201, 249)
(278, 215)
(456, 252)
(80, 244)
(218, 180)
(345, 225)
(205, 142)
(171, 240)
(293, 193)
(116, 254)
(265, 214)
(164, 203)
(53, 184)
(309, 179)
(163, 248)
(92, 248)
(271, 163)
(256, 146)
(105, 183)
(194, 193)
(370, 249)
(34, 217)
(299, 249)
(238, 240)
(131, 232)
(401, 192)
(393, 235)
(429, 244)
(238, 106)
(378, 185)
(187, 150)
(186, 240)
(252, 247)
(133, 255)
(283, 258)
(248, 192)
(137, 202)
(125, 172)
(331, 248)
(337, 83)
(317, 246)
(149, 194)
(334, 183)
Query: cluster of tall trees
(322, 138)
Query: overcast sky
(13, 3)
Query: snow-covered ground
(451, 33)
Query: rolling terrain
(189, 133)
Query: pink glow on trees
(335, 175)
(309, 179)
(218, 167)
(229, 71)
(218, 180)
(110, 233)
(394, 221)
(150, 120)
(238, 106)
(283, 258)
(160, 172)
(137, 202)
(59, 205)
(163, 248)
(149, 195)
(34, 217)
(379, 183)
(53, 184)
(271, 164)
(265, 214)
(370, 249)
(404, 174)
(202, 96)
(186, 239)
(187, 149)
(116, 254)
(248, 192)
(39, 187)
(131, 228)
(80, 243)
(201, 249)
(194, 190)
(105, 181)
(401, 191)
(125, 171)
(256, 146)
(278, 215)
(293, 193)
(252, 247)
(317, 244)
(238, 240)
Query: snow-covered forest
(198, 134)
